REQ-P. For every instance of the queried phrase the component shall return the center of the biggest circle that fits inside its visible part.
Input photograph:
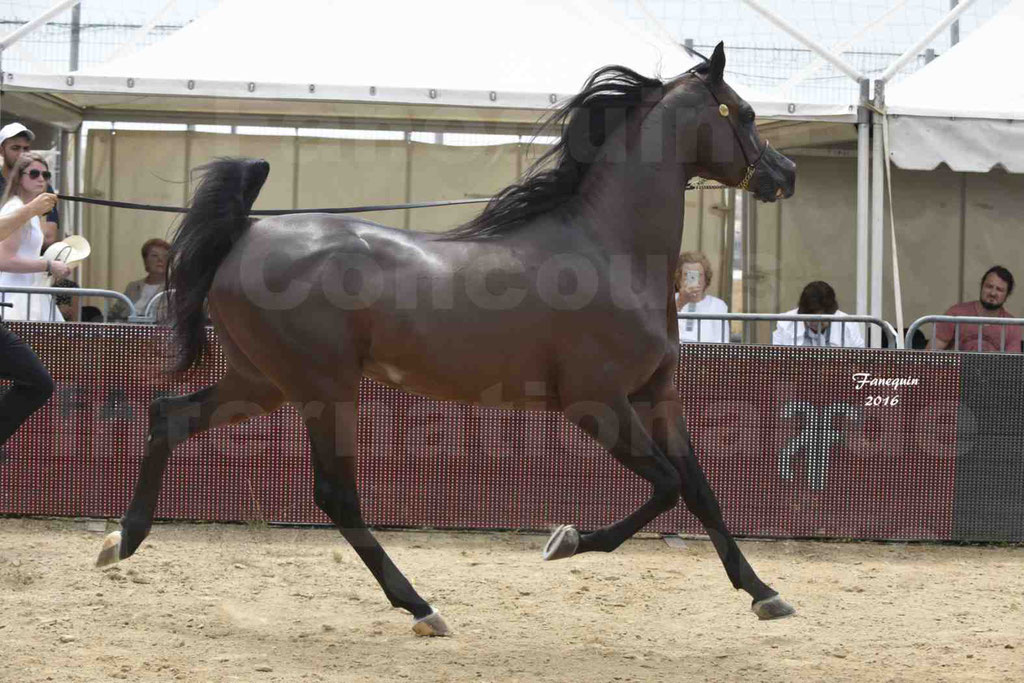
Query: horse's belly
(528, 390)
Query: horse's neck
(635, 208)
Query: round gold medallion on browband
(723, 109)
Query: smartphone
(693, 278)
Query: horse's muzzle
(776, 177)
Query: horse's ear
(717, 64)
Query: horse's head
(728, 147)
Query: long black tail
(217, 216)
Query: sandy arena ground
(250, 603)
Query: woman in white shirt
(19, 253)
(692, 279)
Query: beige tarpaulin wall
(152, 167)
(810, 236)
(953, 227)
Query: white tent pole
(863, 197)
(816, 64)
(835, 60)
(877, 215)
(31, 26)
(652, 21)
(141, 34)
(928, 38)
(896, 287)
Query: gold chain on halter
(699, 183)
(746, 179)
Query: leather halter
(751, 166)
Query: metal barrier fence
(957, 321)
(76, 292)
(842, 320)
(158, 302)
(150, 315)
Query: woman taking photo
(692, 279)
(19, 252)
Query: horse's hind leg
(332, 437)
(172, 420)
(616, 426)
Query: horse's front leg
(663, 411)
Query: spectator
(15, 139)
(31, 384)
(19, 252)
(141, 292)
(68, 305)
(818, 298)
(996, 288)
(692, 279)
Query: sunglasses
(35, 173)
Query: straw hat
(71, 249)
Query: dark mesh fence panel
(990, 462)
(790, 443)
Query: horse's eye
(748, 115)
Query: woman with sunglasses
(24, 200)
(19, 252)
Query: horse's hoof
(772, 608)
(111, 551)
(430, 625)
(563, 543)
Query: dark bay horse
(558, 296)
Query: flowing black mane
(585, 120)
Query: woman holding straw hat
(19, 252)
(22, 204)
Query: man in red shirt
(996, 287)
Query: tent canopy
(966, 108)
(471, 61)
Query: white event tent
(966, 108)
(471, 61)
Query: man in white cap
(16, 139)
